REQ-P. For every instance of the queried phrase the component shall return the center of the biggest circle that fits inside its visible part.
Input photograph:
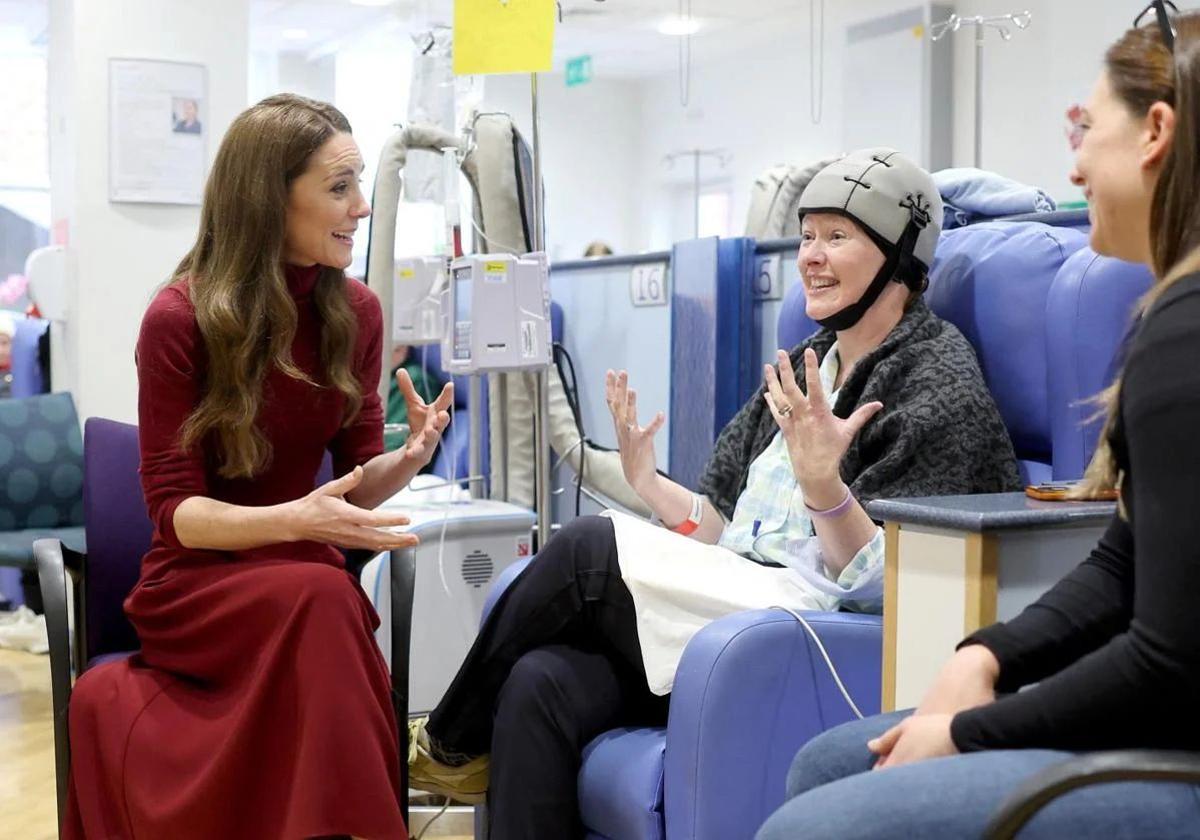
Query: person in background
(410, 380)
(598, 249)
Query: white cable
(824, 655)
(455, 482)
(512, 249)
(433, 820)
(446, 513)
(566, 455)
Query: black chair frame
(1087, 770)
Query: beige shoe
(467, 783)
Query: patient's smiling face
(837, 260)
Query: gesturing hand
(635, 442)
(325, 516)
(816, 438)
(426, 421)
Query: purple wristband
(833, 512)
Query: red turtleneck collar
(301, 278)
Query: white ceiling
(620, 35)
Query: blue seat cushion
(621, 784)
(16, 547)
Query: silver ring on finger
(785, 410)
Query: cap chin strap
(900, 267)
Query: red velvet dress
(259, 706)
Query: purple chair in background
(119, 531)
(97, 582)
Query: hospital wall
(123, 252)
(592, 146)
(1030, 81)
(605, 142)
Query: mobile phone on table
(1056, 491)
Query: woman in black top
(1114, 648)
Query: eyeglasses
(1164, 20)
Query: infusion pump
(497, 314)
(417, 302)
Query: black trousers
(556, 663)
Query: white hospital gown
(679, 584)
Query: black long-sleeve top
(1115, 645)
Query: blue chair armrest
(751, 689)
(502, 582)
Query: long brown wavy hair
(1143, 71)
(236, 280)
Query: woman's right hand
(968, 679)
(325, 516)
(635, 442)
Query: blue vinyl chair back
(27, 378)
(1091, 317)
(794, 325)
(993, 281)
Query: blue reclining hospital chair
(752, 687)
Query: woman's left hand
(816, 438)
(426, 421)
(915, 738)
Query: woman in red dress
(259, 705)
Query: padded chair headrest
(794, 325)
(1098, 295)
(992, 281)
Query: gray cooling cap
(874, 187)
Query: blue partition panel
(606, 331)
(735, 328)
(713, 369)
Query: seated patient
(1109, 658)
(885, 400)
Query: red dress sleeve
(170, 358)
(362, 440)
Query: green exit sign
(579, 70)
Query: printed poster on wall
(157, 131)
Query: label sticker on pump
(528, 339)
(406, 274)
(495, 272)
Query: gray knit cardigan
(939, 432)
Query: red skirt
(259, 707)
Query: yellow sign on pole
(503, 36)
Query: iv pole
(982, 23)
(720, 155)
(541, 413)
